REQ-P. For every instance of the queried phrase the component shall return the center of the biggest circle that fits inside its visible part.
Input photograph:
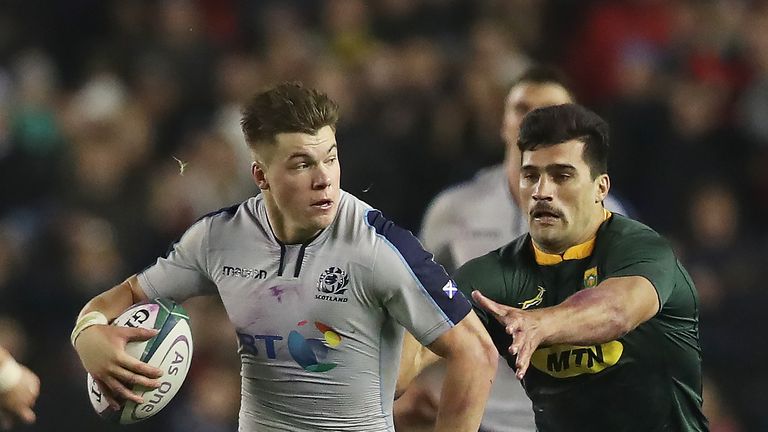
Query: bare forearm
(465, 390)
(114, 301)
(590, 316)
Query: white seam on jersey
(410, 270)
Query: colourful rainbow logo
(309, 353)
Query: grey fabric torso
(319, 325)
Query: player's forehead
(569, 153)
(536, 95)
(318, 144)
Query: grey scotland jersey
(320, 324)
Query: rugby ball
(170, 350)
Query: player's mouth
(547, 216)
(324, 204)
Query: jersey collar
(579, 251)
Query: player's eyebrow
(303, 154)
(560, 167)
(299, 155)
(550, 168)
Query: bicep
(635, 296)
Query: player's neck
(590, 231)
(283, 229)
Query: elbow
(477, 354)
(487, 357)
(620, 322)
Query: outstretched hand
(525, 327)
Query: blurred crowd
(103, 101)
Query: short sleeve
(183, 272)
(413, 288)
(644, 254)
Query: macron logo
(450, 289)
(244, 272)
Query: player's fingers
(27, 415)
(107, 394)
(138, 367)
(523, 359)
(140, 334)
(121, 391)
(491, 306)
(131, 378)
(34, 386)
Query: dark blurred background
(97, 97)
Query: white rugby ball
(170, 350)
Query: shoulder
(227, 213)
(228, 224)
(620, 227)
(623, 235)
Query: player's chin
(546, 234)
(322, 220)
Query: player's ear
(603, 185)
(259, 176)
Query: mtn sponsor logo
(565, 361)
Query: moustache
(542, 208)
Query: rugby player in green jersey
(591, 309)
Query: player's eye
(301, 166)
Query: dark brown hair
(557, 124)
(286, 108)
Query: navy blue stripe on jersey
(430, 275)
(281, 266)
(231, 210)
(300, 260)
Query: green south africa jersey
(648, 380)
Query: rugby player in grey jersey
(318, 285)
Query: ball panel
(173, 357)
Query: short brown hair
(288, 107)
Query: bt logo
(309, 353)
